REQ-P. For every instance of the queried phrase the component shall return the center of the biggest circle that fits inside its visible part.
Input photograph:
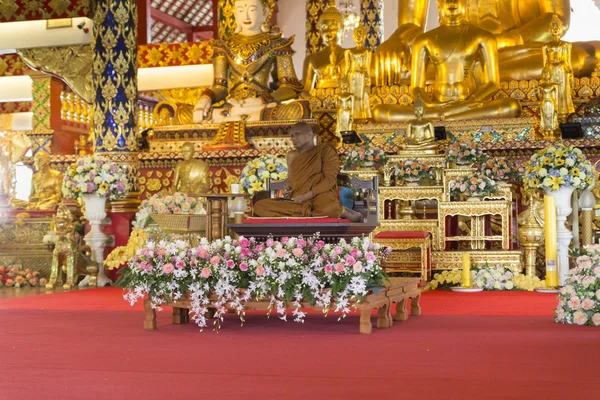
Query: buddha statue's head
(187, 151)
(359, 36)
(41, 160)
(451, 12)
(556, 27)
(251, 16)
(419, 107)
(331, 25)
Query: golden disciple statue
(420, 133)
(244, 64)
(46, 186)
(358, 64)
(331, 27)
(547, 93)
(455, 50)
(557, 57)
(345, 105)
(191, 176)
(520, 27)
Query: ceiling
(176, 21)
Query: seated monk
(46, 186)
(312, 189)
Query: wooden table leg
(209, 212)
(180, 315)
(217, 216)
(415, 307)
(401, 312)
(365, 320)
(384, 317)
(150, 321)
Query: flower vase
(367, 165)
(562, 199)
(463, 165)
(474, 198)
(95, 238)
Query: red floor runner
(82, 345)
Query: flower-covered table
(398, 291)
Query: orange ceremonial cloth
(314, 170)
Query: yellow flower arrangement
(121, 255)
(529, 283)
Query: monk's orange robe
(315, 170)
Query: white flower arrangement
(256, 171)
(559, 166)
(579, 299)
(228, 272)
(95, 175)
(487, 277)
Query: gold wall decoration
(226, 19)
(32, 10)
(174, 54)
(12, 65)
(372, 19)
(72, 64)
(314, 10)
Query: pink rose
(205, 273)
(243, 266)
(180, 264)
(244, 242)
(595, 318)
(230, 264)
(245, 252)
(370, 256)
(338, 250)
(214, 260)
(260, 270)
(587, 304)
(580, 318)
(297, 252)
(574, 302)
(270, 242)
(339, 267)
(284, 240)
(168, 268)
(300, 242)
(588, 281)
(320, 244)
(598, 294)
(162, 252)
(328, 268)
(350, 260)
(357, 267)
(281, 252)
(202, 253)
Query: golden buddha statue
(557, 57)
(331, 76)
(191, 176)
(46, 186)
(331, 26)
(243, 66)
(548, 93)
(456, 93)
(345, 105)
(520, 27)
(420, 133)
(357, 73)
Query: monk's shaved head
(302, 127)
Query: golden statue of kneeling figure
(191, 176)
(69, 256)
(46, 186)
(456, 50)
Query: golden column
(115, 90)
(587, 201)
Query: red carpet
(464, 346)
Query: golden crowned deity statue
(244, 65)
(358, 75)
(548, 93)
(420, 133)
(520, 28)
(456, 50)
(191, 176)
(46, 186)
(557, 57)
(331, 26)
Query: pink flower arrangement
(413, 170)
(18, 277)
(579, 299)
(465, 153)
(498, 169)
(469, 186)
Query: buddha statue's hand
(202, 108)
(392, 58)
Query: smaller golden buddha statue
(332, 74)
(345, 105)
(191, 176)
(557, 58)
(548, 92)
(46, 186)
(420, 133)
(357, 73)
(331, 26)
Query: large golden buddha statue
(191, 176)
(46, 186)
(331, 26)
(243, 66)
(456, 93)
(520, 27)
